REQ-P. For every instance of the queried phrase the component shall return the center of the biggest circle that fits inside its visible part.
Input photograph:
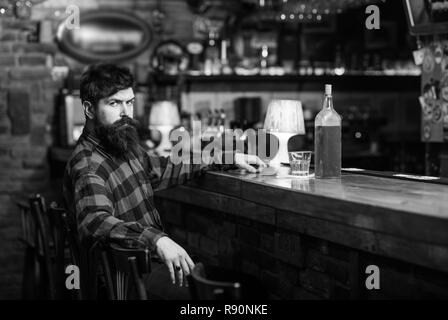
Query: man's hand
(244, 161)
(176, 259)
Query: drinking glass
(299, 162)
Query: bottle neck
(328, 102)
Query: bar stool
(203, 288)
(123, 271)
(215, 283)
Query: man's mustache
(125, 120)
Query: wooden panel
(216, 201)
(362, 215)
(423, 254)
(220, 183)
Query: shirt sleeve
(95, 216)
(164, 173)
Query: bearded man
(110, 179)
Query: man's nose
(124, 110)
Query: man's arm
(164, 172)
(94, 213)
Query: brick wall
(27, 93)
(293, 265)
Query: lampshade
(164, 117)
(164, 113)
(285, 116)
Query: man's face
(113, 108)
(114, 123)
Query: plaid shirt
(113, 199)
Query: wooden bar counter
(314, 238)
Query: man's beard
(121, 138)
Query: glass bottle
(225, 66)
(327, 139)
(222, 121)
(264, 52)
(212, 65)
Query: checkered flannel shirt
(113, 199)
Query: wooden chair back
(42, 245)
(124, 269)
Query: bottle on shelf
(212, 63)
(222, 120)
(339, 68)
(264, 55)
(225, 66)
(216, 120)
(327, 139)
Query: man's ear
(88, 110)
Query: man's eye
(130, 103)
(113, 104)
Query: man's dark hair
(100, 81)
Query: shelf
(349, 82)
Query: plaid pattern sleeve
(95, 215)
(164, 173)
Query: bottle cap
(328, 89)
